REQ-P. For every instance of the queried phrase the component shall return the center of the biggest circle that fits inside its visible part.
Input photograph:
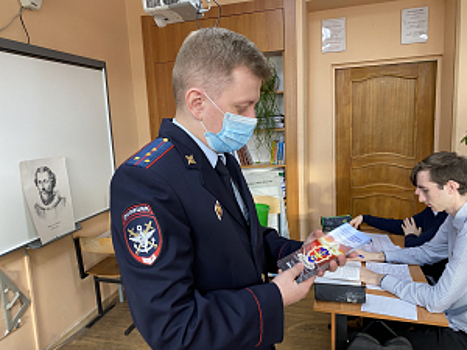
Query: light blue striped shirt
(449, 295)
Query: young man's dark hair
(443, 167)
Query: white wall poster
(47, 192)
(414, 23)
(333, 35)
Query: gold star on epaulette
(190, 159)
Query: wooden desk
(340, 311)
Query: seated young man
(418, 230)
(441, 183)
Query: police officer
(191, 251)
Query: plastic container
(262, 210)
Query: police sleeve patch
(143, 236)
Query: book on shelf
(277, 151)
(244, 156)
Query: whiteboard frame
(41, 53)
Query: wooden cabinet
(270, 25)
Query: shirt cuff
(388, 283)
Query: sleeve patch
(142, 233)
(151, 153)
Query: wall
(95, 29)
(134, 11)
(110, 30)
(373, 37)
(460, 102)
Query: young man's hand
(363, 255)
(369, 277)
(356, 221)
(409, 227)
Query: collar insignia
(190, 159)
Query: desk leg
(340, 332)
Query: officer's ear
(194, 99)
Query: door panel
(385, 125)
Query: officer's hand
(334, 264)
(292, 291)
(313, 236)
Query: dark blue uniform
(192, 267)
(426, 219)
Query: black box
(341, 293)
(329, 223)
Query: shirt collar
(210, 154)
(461, 217)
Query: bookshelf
(270, 154)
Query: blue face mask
(235, 133)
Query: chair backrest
(273, 202)
(107, 266)
(99, 245)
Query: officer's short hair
(207, 58)
(443, 167)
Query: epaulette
(151, 153)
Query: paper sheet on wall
(414, 23)
(395, 307)
(333, 35)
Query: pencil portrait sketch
(47, 192)
(51, 202)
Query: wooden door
(385, 125)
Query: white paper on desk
(348, 274)
(400, 271)
(379, 243)
(395, 307)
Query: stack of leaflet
(342, 285)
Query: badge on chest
(218, 210)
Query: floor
(304, 329)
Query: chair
(275, 207)
(106, 270)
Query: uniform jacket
(191, 266)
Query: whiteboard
(52, 104)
